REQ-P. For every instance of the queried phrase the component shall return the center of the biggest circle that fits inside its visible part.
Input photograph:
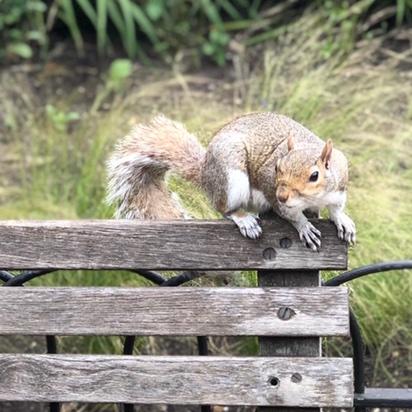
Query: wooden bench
(289, 313)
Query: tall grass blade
(231, 10)
(116, 17)
(68, 16)
(144, 23)
(130, 41)
(212, 12)
(89, 11)
(101, 29)
(400, 11)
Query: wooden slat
(202, 245)
(177, 311)
(177, 380)
(287, 345)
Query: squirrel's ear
(327, 153)
(291, 143)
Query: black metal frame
(371, 397)
(363, 397)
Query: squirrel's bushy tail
(136, 169)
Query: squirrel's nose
(283, 197)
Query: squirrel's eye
(314, 176)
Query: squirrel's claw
(248, 225)
(346, 228)
(310, 236)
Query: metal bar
(203, 351)
(129, 345)
(384, 398)
(128, 350)
(202, 345)
(5, 276)
(182, 278)
(368, 270)
(54, 407)
(51, 344)
(358, 354)
(371, 397)
(24, 277)
(150, 275)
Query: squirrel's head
(301, 175)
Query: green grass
(189, 31)
(364, 106)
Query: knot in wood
(286, 313)
(296, 378)
(269, 253)
(285, 243)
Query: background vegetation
(342, 68)
(178, 29)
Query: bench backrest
(288, 320)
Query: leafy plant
(350, 20)
(60, 119)
(115, 81)
(168, 28)
(188, 29)
(22, 24)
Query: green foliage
(189, 29)
(160, 26)
(119, 71)
(21, 26)
(348, 21)
(60, 119)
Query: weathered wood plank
(289, 346)
(178, 311)
(202, 245)
(177, 380)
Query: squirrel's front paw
(248, 225)
(310, 236)
(346, 228)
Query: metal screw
(269, 254)
(296, 378)
(286, 313)
(285, 243)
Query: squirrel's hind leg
(232, 202)
(237, 198)
(247, 223)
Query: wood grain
(173, 311)
(177, 380)
(202, 245)
(288, 345)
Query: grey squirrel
(254, 163)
